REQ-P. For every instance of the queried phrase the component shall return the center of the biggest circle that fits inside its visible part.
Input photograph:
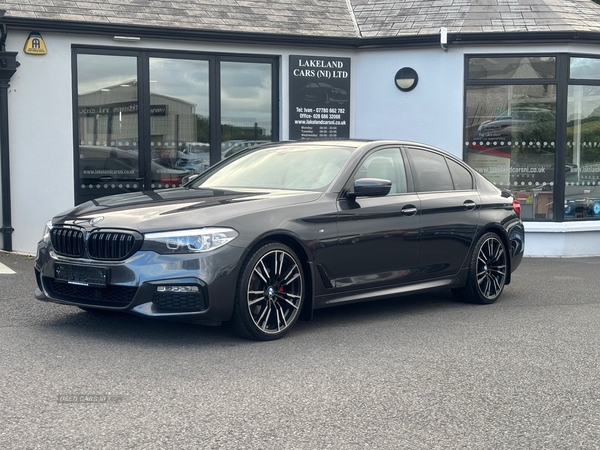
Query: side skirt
(395, 291)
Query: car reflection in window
(518, 123)
(323, 93)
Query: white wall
(431, 113)
(41, 138)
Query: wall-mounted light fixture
(126, 38)
(406, 79)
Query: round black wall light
(406, 79)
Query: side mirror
(189, 178)
(371, 187)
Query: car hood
(179, 208)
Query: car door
(450, 207)
(378, 236)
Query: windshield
(281, 167)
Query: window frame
(143, 73)
(561, 81)
(574, 82)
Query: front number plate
(81, 275)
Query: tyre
(269, 294)
(487, 271)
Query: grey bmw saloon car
(267, 236)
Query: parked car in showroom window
(271, 234)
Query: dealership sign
(319, 97)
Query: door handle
(106, 178)
(408, 210)
(469, 205)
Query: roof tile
(324, 17)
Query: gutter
(495, 38)
(158, 32)
(8, 66)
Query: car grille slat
(67, 241)
(110, 245)
(101, 245)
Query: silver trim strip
(393, 291)
(145, 309)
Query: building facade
(117, 97)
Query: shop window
(585, 69)
(246, 106)
(107, 108)
(518, 67)
(146, 118)
(179, 120)
(510, 128)
(582, 156)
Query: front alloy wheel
(270, 293)
(487, 271)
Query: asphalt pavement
(418, 372)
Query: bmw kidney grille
(101, 245)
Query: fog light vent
(177, 288)
(179, 298)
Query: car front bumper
(190, 287)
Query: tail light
(517, 207)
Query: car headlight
(47, 229)
(188, 241)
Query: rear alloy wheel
(487, 271)
(270, 293)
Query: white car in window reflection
(195, 157)
(196, 147)
(194, 162)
